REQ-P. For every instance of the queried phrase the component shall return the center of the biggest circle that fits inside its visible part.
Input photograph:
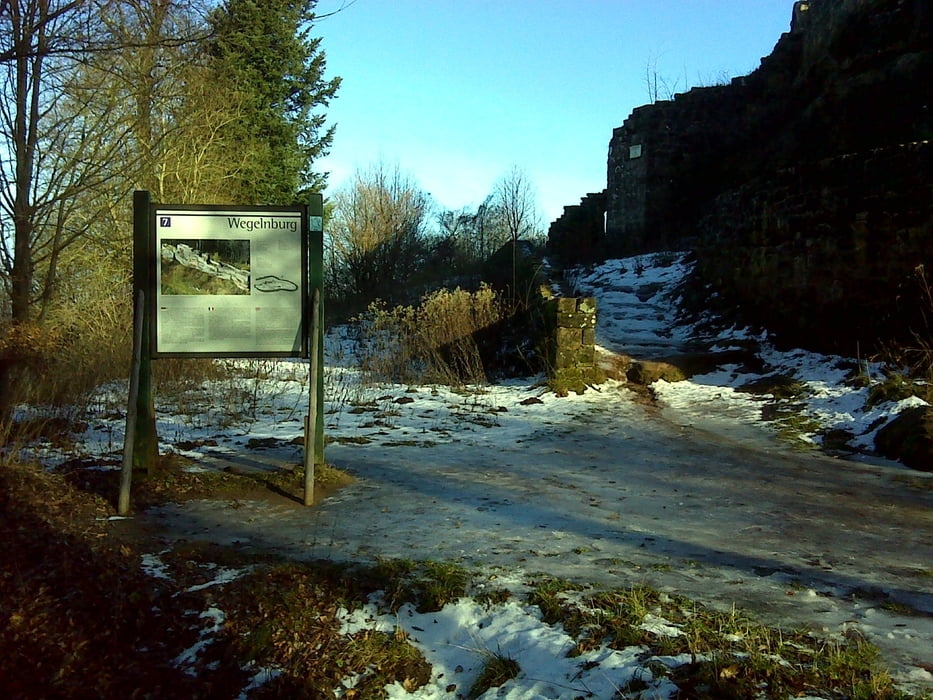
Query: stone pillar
(572, 344)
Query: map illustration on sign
(274, 283)
(205, 266)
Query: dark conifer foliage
(265, 51)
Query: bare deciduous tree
(69, 134)
(376, 238)
(515, 199)
(660, 87)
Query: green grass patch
(734, 656)
(895, 387)
(550, 595)
(919, 483)
(779, 386)
(792, 424)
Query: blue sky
(456, 92)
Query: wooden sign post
(261, 261)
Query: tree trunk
(29, 66)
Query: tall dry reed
(434, 342)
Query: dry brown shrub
(70, 353)
(175, 376)
(431, 343)
(29, 342)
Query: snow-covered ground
(509, 480)
(460, 639)
(639, 316)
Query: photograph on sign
(230, 282)
(204, 266)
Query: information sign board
(229, 281)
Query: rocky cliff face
(805, 187)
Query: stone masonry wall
(665, 161)
(571, 343)
(805, 186)
(828, 251)
(578, 235)
(846, 78)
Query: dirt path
(617, 494)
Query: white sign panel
(229, 281)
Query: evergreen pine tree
(263, 51)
